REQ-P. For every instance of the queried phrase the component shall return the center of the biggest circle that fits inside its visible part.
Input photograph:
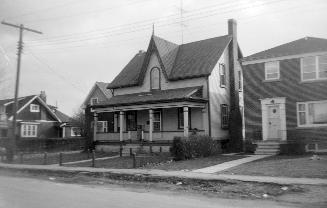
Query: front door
(274, 122)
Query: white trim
(150, 106)
(72, 133)
(94, 98)
(278, 71)
(317, 78)
(283, 58)
(264, 113)
(26, 126)
(27, 122)
(37, 108)
(306, 103)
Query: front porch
(150, 123)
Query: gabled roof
(103, 88)
(160, 96)
(63, 117)
(23, 102)
(300, 46)
(195, 59)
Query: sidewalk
(230, 164)
(165, 174)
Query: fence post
(93, 158)
(21, 158)
(45, 158)
(121, 150)
(88, 153)
(134, 160)
(151, 147)
(160, 150)
(60, 159)
(130, 151)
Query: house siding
(218, 96)
(97, 94)
(290, 87)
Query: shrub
(194, 146)
(249, 146)
(293, 148)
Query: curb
(161, 174)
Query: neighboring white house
(174, 90)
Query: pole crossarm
(20, 26)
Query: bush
(293, 148)
(249, 146)
(194, 146)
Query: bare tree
(79, 120)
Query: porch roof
(193, 94)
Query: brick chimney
(235, 117)
(43, 96)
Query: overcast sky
(84, 41)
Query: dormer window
(34, 108)
(155, 78)
(94, 101)
(272, 70)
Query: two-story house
(98, 93)
(285, 95)
(176, 90)
(35, 119)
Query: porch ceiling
(189, 94)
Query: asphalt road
(33, 193)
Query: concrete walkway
(230, 164)
(163, 174)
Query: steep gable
(196, 59)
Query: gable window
(180, 115)
(34, 108)
(314, 68)
(224, 116)
(312, 114)
(131, 123)
(272, 70)
(157, 120)
(75, 131)
(102, 126)
(29, 130)
(94, 101)
(222, 73)
(155, 78)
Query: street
(28, 192)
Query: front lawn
(53, 158)
(194, 164)
(287, 166)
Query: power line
(142, 27)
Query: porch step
(268, 148)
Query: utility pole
(12, 142)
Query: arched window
(155, 78)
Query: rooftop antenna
(181, 20)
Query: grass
(53, 158)
(126, 162)
(194, 163)
(287, 166)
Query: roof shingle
(300, 46)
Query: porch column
(63, 132)
(115, 122)
(121, 120)
(150, 124)
(186, 127)
(205, 124)
(95, 125)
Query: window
(156, 120)
(75, 131)
(131, 123)
(34, 108)
(240, 86)
(224, 116)
(272, 70)
(94, 101)
(181, 118)
(312, 113)
(102, 126)
(222, 73)
(155, 78)
(314, 68)
(29, 130)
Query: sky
(85, 41)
